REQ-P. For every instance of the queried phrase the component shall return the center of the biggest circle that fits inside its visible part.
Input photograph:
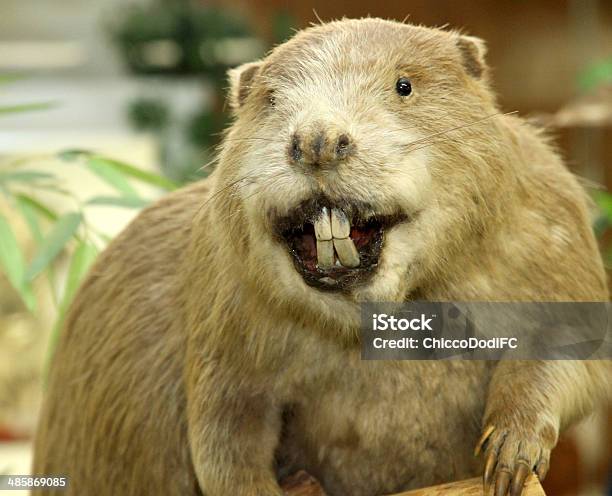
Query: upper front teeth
(340, 225)
(334, 233)
(323, 226)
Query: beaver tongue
(333, 234)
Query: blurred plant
(56, 232)
(199, 132)
(603, 223)
(182, 38)
(595, 75)
(205, 124)
(594, 79)
(187, 39)
(283, 26)
(12, 109)
(149, 114)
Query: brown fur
(195, 355)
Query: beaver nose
(319, 149)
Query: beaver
(214, 347)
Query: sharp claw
(541, 470)
(483, 439)
(520, 474)
(488, 470)
(502, 483)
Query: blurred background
(104, 106)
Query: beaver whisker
(427, 145)
(455, 128)
(224, 188)
(209, 164)
(255, 175)
(458, 128)
(443, 140)
(394, 166)
(254, 138)
(438, 116)
(238, 184)
(217, 157)
(267, 185)
(240, 206)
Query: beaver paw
(512, 453)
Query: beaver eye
(403, 86)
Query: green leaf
(596, 75)
(13, 263)
(38, 206)
(146, 177)
(10, 254)
(10, 78)
(119, 201)
(139, 174)
(26, 107)
(105, 237)
(54, 243)
(604, 202)
(83, 257)
(600, 225)
(30, 216)
(82, 260)
(25, 176)
(111, 176)
(73, 154)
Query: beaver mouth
(334, 247)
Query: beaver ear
(240, 79)
(473, 52)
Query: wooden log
(472, 487)
(302, 484)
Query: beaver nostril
(342, 145)
(295, 150)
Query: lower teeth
(325, 254)
(347, 253)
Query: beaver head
(361, 154)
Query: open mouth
(334, 247)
